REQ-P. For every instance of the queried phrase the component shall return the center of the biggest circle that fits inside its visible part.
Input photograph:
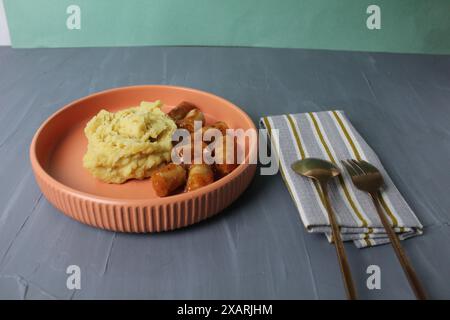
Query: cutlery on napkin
(330, 136)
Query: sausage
(223, 165)
(168, 178)
(181, 110)
(199, 155)
(188, 122)
(193, 157)
(199, 176)
(219, 125)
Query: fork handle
(339, 245)
(401, 255)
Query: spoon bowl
(318, 169)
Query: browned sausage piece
(219, 125)
(199, 176)
(193, 157)
(188, 122)
(181, 110)
(168, 178)
(223, 164)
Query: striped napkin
(329, 135)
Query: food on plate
(199, 175)
(226, 158)
(167, 179)
(128, 144)
(136, 143)
(188, 122)
(181, 110)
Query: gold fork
(366, 177)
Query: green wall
(419, 26)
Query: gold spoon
(322, 171)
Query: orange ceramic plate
(58, 147)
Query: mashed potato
(129, 143)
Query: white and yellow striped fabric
(329, 135)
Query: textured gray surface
(257, 248)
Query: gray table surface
(257, 248)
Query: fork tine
(356, 166)
(367, 167)
(352, 172)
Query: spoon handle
(339, 245)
